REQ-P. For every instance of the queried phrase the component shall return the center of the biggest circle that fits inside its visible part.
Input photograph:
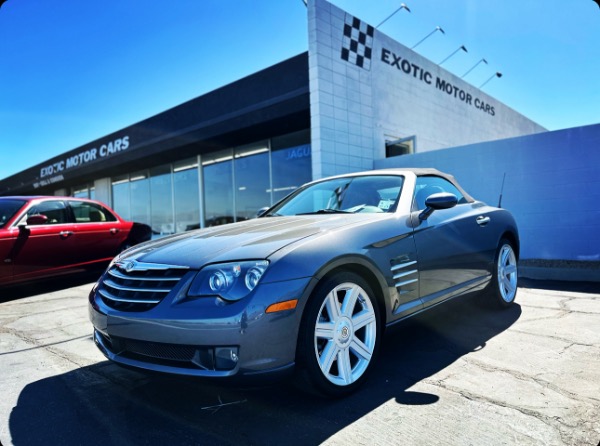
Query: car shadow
(556, 285)
(105, 404)
(45, 286)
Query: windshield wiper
(326, 211)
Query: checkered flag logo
(357, 43)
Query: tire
(339, 336)
(125, 246)
(503, 288)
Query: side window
(85, 212)
(427, 185)
(54, 211)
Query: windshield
(362, 194)
(8, 208)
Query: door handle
(482, 221)
(65, 234)
(114, 230)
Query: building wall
(552, 186)
(365, 94)
(342, 136)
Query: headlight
(232, 281)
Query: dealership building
(355, 97)
(355, 101)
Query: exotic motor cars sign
(411, 69)
(86, 156)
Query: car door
(9, 211)
(7, 241)
(99, 233)
(43, 248)
(453, 245)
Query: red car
(46, 236)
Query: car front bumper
(204, 337)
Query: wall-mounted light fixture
(471, 69)
(437, 28)
(462, 47)
(402, 6)
(497, 74)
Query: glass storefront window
(161, 201)
(140, 197)
(120, 196)
(252, 180)
(290, 163)
(236, 183)
(217, 173)
(80, 192)
(186, 194)
(86, 191)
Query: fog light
(226, 358)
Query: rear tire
(339, 336)
(503, 288)
(125, 246)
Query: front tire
(339, 336)
(503, 289)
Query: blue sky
(72, 71)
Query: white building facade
(367, 90)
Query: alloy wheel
(345, 334)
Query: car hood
(252, 239)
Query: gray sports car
(310, 285)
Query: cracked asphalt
(459, 375)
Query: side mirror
(435, 202)
(262, 211)
(37, 219)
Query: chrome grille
(138, 286)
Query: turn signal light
(282, 306)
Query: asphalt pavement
(459, 375)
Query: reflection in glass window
(217, 172)
(187, 199)
(54, 211)
(161, 201)
(140, 197)
(90, 212)
(361, 194)
(252, 181)
(428, 185)
(80, 192)
(120, 196)
(291, 163)
(8, 208)
(85, 191)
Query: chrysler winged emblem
(127, 266)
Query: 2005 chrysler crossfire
(310, 285)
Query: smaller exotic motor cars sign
(86, 156)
